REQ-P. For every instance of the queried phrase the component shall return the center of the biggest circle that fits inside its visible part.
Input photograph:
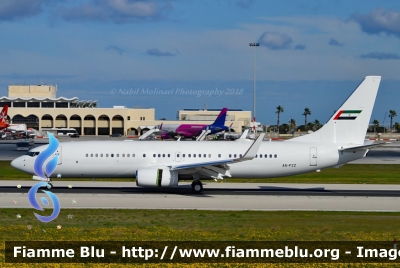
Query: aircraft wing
(201, 164)
(217, 169)
(363, 147)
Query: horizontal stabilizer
(363, 147)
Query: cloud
(16, 9)
(275, 40)
(381, 56)
(335, 43)
(300, 47)
(117, 11)
(379, 21)
(119, 50)
(244, 3)
(158, 53)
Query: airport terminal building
(38, 107)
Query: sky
(176, 54)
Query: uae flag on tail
(347, 114)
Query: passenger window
(209, 155)
(159, 155)
(189, 155)
(163, 155)
(123, 155)
(87, 155)
(97, 155)
(144, 155)
(240, 155)
(128, 155)
(200, 155)
(154, 155)
(101, 155)
(183, 155)
(106, 155)
(112, 155)
(260, 155)
(234, 155)
(230, 156)
(256, 155)
(204, 155)
(275, 156)
(270, 156)
(266, 156)
(133, 155)
(117, 155)
(177, 155)
(169, 155)
(219, 155)
(91, 155)
(194, 155)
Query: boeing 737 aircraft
(3, 118)
(163, 164)
(194, 130)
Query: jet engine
(156, 177)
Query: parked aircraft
(164, 164)
(3, 117)
(168, 131)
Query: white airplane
(163, 164)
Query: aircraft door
(178, 156)
(58, 152)
(313, 156)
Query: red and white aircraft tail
(3, 117)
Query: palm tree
(397, 126)
(392, 113)
(279, 110)
(310, 125)
(306, 113)
(317, 124)
(375, 123)
(292, 124)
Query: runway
(216, 196)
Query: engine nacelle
(156, 177)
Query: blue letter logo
(44, 174)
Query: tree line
(315, 125)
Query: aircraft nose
(18, 163)
(14, 163)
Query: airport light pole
(254, 45)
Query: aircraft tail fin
(3, 115)
(220, 121)
(350, 122)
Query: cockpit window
(32, 154)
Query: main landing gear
(197, 186)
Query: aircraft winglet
(252, 151)
(244, 134)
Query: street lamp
(254, 89)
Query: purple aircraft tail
(220, 121)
